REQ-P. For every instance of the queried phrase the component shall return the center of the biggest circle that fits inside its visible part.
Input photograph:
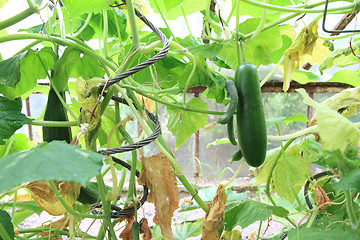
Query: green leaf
(335, 131)
(2, 3)
(218, 142)
(20, 143)
(29, 205)
(199, 77)
(73, 64)
(346, 76)
(349, 182)
(277, 55)
(182, 124)
(53, 161)
(258, 51)
(321, 234)
(6, 226)
(286, 120)
(32, 67)
(304, 77)
(189, 6)
(290, 172)
(341, 57)
(169, 4)
(249, 212)
(10, 70)
(78, 7)
(187, 229)
(11, 118)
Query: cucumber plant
(109, 82)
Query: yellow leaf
(45, 198)
(164, 193)
(214, 220)
(303, 44)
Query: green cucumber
(233, 93)
(251, 124)
(55, 111)
(237, 156)
(89, 195)
(230, 130)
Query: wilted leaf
(235, 234)
(303, 44)
(321, 197)
(214, 220)
(144, 229)
(62, 224)
(164, 193)
(87, 97)
(335, 131)
(126, 234)
(45, 198)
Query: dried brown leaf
(126, 234)
(45, 198)
(61, 224)
(214, 220)
(144, 229)
(321, 197)
(164, 193)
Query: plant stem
(8, 148)
(350, 209)
(268, 76)
(235, 174)
(261, 24)
(184, 15)
(60, 41)
(133, 26)
(312, 129)
(349, 7)
(53, 123)
(163, 18)
(17, 18)
(106, 208)
(106, 29)
(86, 23)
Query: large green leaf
(199, 78)
(290, 172)
(321, 234)
(347, 76)
(335, 130)
(249, 212)
(349, 182)
(32, 67)
(187, 229)
(11, 117)
(10, 70)
(73, 64)
(182, 124)
(194, 45)
(52, 161)
(6, 226)
(257, 51)
(190, 6)
(304, 77)
(78, 7)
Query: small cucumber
(233, 93)
(88, 195)
(237, 156)
(230, 130)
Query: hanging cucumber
(230, 131)
(251, 124)
(55, 111)
(231, 89)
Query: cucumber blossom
(251, 126)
